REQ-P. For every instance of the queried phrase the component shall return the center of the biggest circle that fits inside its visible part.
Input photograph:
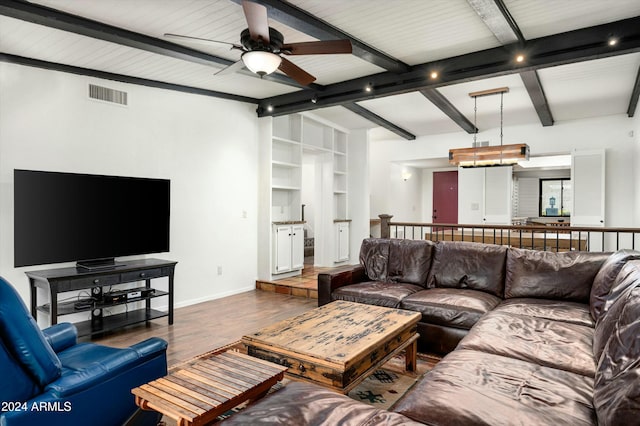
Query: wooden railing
(548, 238)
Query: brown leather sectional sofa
(539, 337)
(453, 284)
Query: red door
(445, 197)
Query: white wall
(405, 196)
(611, 132)
(358, 191)
(389, 192)
(206, 146)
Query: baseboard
(206, 298)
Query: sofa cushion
(409, 261)
(549, 275)
(305, 404)
(378, 293)
(616, 390)
(475, 388)
(549, 343)
(460, 308)
(605, 278)
(374, 257)
(556, 310)
(468, 265)
(628, 279)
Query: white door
(283, 249)
(297, 247)
(498, 182)
(342, 241)
(587, 179)
(470, 195)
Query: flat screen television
(90, 219)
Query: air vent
(107, 95)
(479, 144)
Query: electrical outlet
(244, 214)
(219, 270)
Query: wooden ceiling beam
(498, 19)
(447, 107)
(536, 94)
(564, 48)
(374, 118)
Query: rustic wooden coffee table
(339, 344)
(201, 391)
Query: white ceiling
(412, 31)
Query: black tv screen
(63, 217)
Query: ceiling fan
(263, 47)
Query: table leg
(34, 299)
(411, 356)
(53, 305)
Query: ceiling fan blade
(296, 73)
(179, 37)
(317, 47)
(236, 66)
(256, 15)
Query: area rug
(387, 384)
(381, 389)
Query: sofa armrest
(329, 281)
(150, 347)
(100, 364)
(61, 336)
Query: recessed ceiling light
(270, 108)
(613, 41)
(519, 58)
(368, 88)
(314, 99)
(434, 74)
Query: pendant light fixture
(484, 156)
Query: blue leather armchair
(48, 378)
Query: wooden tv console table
(99, 283)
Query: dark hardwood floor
(205, 326)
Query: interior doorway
(317, 175)
(445, 197)
(308, 199)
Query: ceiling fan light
(261, 62)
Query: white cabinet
(588, 201)
(484, 195)
(587, 177)
(342, 241)
(288, 248)
(498, 188)
(297, 247)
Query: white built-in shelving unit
(290, 137)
